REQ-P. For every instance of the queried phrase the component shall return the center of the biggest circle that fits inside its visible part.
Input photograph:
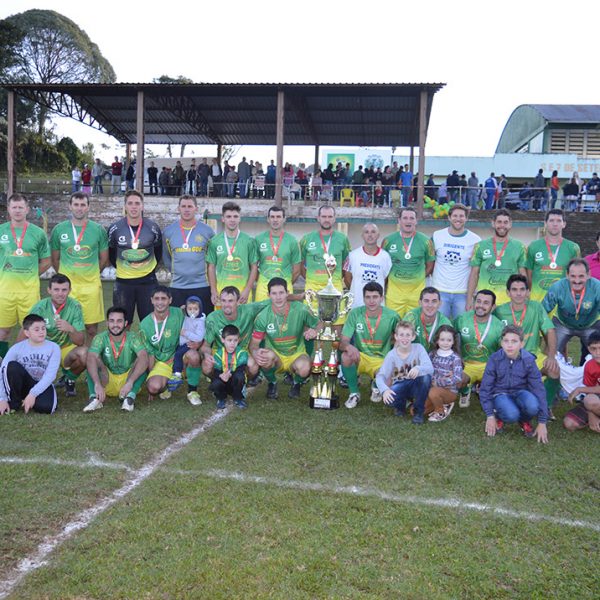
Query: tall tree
(51, 49)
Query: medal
(553, 265)
(19, 241)
(284, 327)
(231, 248)
(518, 323)
(373, 331)
(498, 263)
(117, 353)
(229, 258)
(407, 248)
(433, 327)
(77, 247)
(273, 247)
(185, 245)
(325, 246)
(325, 256)
(135, 238)
(186, 238)
(78, 238)
(553, 257)
(408, 256)
(274, 258)
(578, 304)
(158, 334)
(481, 338)
(135, 245)
(19, 251)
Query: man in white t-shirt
(368, 263)
(453, 250)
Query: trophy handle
(349, 298)
(309, 299)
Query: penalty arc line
(40, 555)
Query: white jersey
(364, 268)
(452, 256)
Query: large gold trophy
(324, 374)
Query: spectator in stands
(202, 174)
(270, 180)
(539, 190)
(554, 187)
(571, 195)
(453, 183)
(153, 179)
(130, 176)
(190, 178)
(358, 179)
(593, 186)
(502, 191)
(163, 181)
(243, 174)
(473, 190)
(97, 172)
(430, 190)
(178, 178)
(406, 178)
(316, 184)
(463, 188)
(75, 179)
(490, 191)
(217, 177)
(387, 181)
(443, 193)
(525, 195)
(86, 179)
(302, 180)
(231, 179)
(116, 169)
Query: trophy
(324, 375)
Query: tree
(68, 147)
(51, 49)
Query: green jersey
(117, 356)
(533, 319)
(246, 313)
(80, 248)
(425, 332)
(243, 255)
(539, 262)
(162, 338)
(410, 256)
(284, 333)
(478, 341)
(19, 268)
(69, 312)
(373, 337)
(230, 360)
(276, 259)
(572, 310)
(312, 248)
(493, 276)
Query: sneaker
(342, 382)
(175, 381)
(61, 382)
(376, 395)
(294, 391)
(418, 420)
(255, 381)
(551, 415)
(288, 379)
(127, 404)
(221, 404)
(465, 399)
(272, 391)
(165, 395)
(398, 412)
(241, 403)
(448, 409)
(353, 400)
(194, 398)
(499, 425)
(93, 405)
(436, 417)
(70, 391)
(527, 429)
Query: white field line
(40, 555)
(92, 463)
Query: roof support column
(317, 147)
(139, 180)
(422, 136)
(10, 151)
(280, 124)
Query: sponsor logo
(312, 245)
(122, 239)
(539, 256)
(219, 249)
(487, 252)
(393, 248)
(263, 246)
(465, 331)
(360, 327)
(271, 328)
(64, 237)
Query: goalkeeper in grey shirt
(28, 370)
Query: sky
(492, 56)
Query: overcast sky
(491, 56)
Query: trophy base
(324, 403)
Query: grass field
(280, 501)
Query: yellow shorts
(501, 296)
(115, 383)
(15, 306)
(260, 293)
(475, 371)
(539, 360)
(369, 365)
(64, 350)
(91, 300)
(401, 301)
(288, 361)
(161, 369)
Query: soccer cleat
(418, 420)
(465, 399)
(175, 381)
(527, 429)
(61, 382)
(294, 391)
(376, 395)
(221, 404)
(194, 398)
(127, 404)
(448, 409)
(165, 395)
(241, 403)
(288, 379)
(353, 400)
(70, 391)
(93, 405)
(255, 381)
(499, 425)
(272, 391)
(342, 382)
(436, 417)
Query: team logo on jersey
(465, 331)
(369, 276)
(122, 239)
(219, 249)
(393, 248)
(271, 328)
(312, 245)
(263, 246)
(587, 305)
(107, 351)
(64, 237)
(452, 257)
(360, 327)
(4, 238)
(539, 256)
(487, 253)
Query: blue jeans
(411, 388)
(522, 406)
(452, 305)
(489, 199)
(472, 198)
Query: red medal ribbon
(186, 240)
(479, 337)
(372, 332)
(578, 305)
(287, 312)
(325, 246)
(433, 327)
(116, 353)
(137, 235)
(499, 256)
(518, 323)
(19, 241)
(412, 239)
(275, 250)
(80, 236)
(57, 310)
(553, 257)
(225, 360)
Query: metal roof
(352, 114)
(569, 113)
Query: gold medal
(229, 258)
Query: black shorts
(180, 295)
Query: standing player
(232, 257)
(480, 334)
(80, 251)
(427, 317)
(548, 257)
(64, 326)
(184, 254)
(495, 260)
(116, 363)
(278, 254)
(135, 248)
(283, 326)
(369, 263)
(412, 260)
(24, 256)
(367, 337)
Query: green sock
(69, 374)
(3, 349)
(297, 378)
(90, 384)
(552, 387)
(269, 375)
(193, 375)
(138, 383)
(308, 344)
(351, 375)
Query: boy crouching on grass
(28, 370)
(229, 375)
(405, 373)
(587, 412)
(512, 388)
